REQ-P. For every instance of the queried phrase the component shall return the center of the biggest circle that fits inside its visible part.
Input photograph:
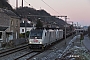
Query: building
(9, 25)
(85, 28)
(28, 27)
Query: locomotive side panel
(45, 39)
(60, 34)
(52, 36)
(57, 35)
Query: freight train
(41, 38)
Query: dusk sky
(76, 10)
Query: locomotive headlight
(30, 42)
(40, 42)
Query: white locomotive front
(35, 38)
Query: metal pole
(72, 28)
(77, 28)
(22, 3)
(16, 3)
(65, 29)
(25, 28)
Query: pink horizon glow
(76, 10)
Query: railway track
(13, 50)
(23, 55)
(28, 55)
(34, 55)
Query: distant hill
(26, 11)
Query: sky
(75, 10)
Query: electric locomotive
(41, 38)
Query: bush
(4, 44)
(22, 35)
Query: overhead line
(46, 16)
(49, 6)
(26, 1)
(46, 4)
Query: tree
(27, 33)
(81, 36)
(89, 30)
(39, 24)
(71, 27)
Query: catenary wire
(50, 6)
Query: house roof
(9, 12)
(3, 28)
(27, 25)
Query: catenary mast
(16, 3)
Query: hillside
(28, 12)
(4, 4)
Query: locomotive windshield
(36, 33)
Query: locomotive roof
(36, 30)
(48, 28)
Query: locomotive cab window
(0, 35)
(45, 34)
(36, 33)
